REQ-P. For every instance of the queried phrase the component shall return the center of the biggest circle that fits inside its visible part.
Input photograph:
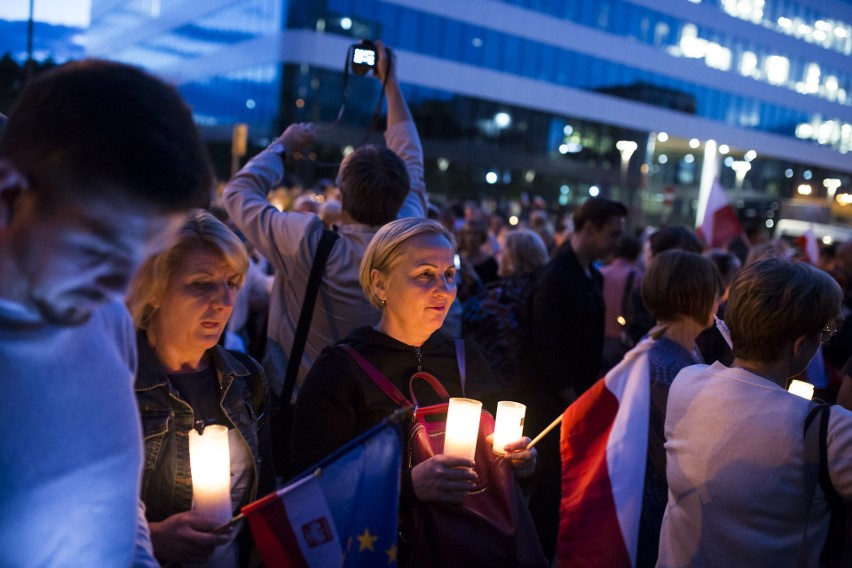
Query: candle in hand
(510, 424)
(802, 389)
(210, 463)
(462, 427)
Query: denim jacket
(167, 419)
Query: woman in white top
(735, 437)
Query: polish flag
(720, 223)
(295, 526)
(604, 444)
(343, 513)
(807, 243)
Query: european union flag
(341, 513)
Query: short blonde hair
(201, 230)
(383, 252)
(523, 252)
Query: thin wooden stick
(546, 431)
(229, 524)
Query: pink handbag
(492, 526)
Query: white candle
(802, 389)
(210, 463)
(510, 424)
(462, 427)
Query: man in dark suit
(565, 342)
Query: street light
(626, 148)
(741, 167)
(831, 185)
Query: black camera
(364, 57)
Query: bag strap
(812, 466)
(377, 377)
(825, 484)
(836, 551)
(461, 360)
(320, 258)
(390, 390)
(433, 381)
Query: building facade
(642, 100)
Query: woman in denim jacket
(181, 300)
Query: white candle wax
(802, 389)
(510, 424)
(462, 427)
(210, 463)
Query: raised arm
(401, 135)
(272, 232)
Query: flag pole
(316, 470)
(546, 431)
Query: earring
(383, 302)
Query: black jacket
(338, 400)
(565, 340)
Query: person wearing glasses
(735, 438)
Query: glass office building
(641, 100)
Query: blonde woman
(181, 300)
(409, 273)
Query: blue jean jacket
(167, 418)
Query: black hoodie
(338, 400)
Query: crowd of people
(136, 306)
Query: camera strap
(375, 118)
(345, 92)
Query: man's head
(598, 225)
(373, 184)
(628, 248)
(674, 237)
(98, 161)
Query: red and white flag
(807, 243)
(342, 514)
(295, 526)
(604, 446)
(720, 223)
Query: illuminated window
(690, 44)
(750, 10)
(748, 64)
(777, 69)
(718, 57)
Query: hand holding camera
(368, 56)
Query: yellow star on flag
(391, 552)
(366, 540)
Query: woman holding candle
(408, 272)
(181, 300)
(736, 447)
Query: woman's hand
(186, 538)
(443, 478)
(523, 460)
